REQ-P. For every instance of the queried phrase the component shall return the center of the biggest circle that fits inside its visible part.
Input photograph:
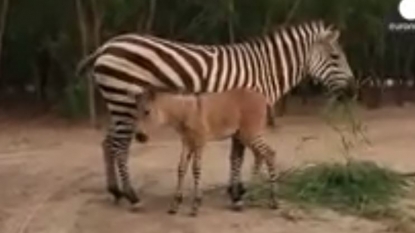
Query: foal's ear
(148, 95)
(151, 94)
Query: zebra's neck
(273, 64)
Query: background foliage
(44, 39)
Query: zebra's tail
(86, 63)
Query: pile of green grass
(355, 187)
(358, 187)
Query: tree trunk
(96, 37)
(97, 23)
(408, 73)
(231, 29)
(292, 12)
(150, 20)
(399, 92)
(4, 12)
(84, 41)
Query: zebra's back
(136, 62)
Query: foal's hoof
(141, 137)
(116, 194)
(194, 213)
(172, 211)
(197, 201)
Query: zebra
(271, 64)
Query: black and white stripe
(272, 64)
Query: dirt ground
(51, 178)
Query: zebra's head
(327, 64)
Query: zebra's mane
(315, 25)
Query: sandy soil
(51, 178)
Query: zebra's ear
(331, 35)
(334, 35)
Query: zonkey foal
(239, 113)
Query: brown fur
(237, 113)
(220, 115)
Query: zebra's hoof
(136, 207)
(274, 205)
(238, 206)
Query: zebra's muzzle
(346, 93)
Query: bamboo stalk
(4, 12)
(84, 40)
(150, 20)
(231, 29)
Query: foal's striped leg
(197, 193)
(262, 150)
(258, 160)
(185, 158)
(236, 189)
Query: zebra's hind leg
(120, 140)
(122, 162)
(236, 189)
(110, 170)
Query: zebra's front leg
(110, 170)
(236, 189)
(197, 193)
(181, 173)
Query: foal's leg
(262, 149)
(197, 193)
(236, 188)
(258, 160)
(181, 173)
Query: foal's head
(157, 109)
(149, 112)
